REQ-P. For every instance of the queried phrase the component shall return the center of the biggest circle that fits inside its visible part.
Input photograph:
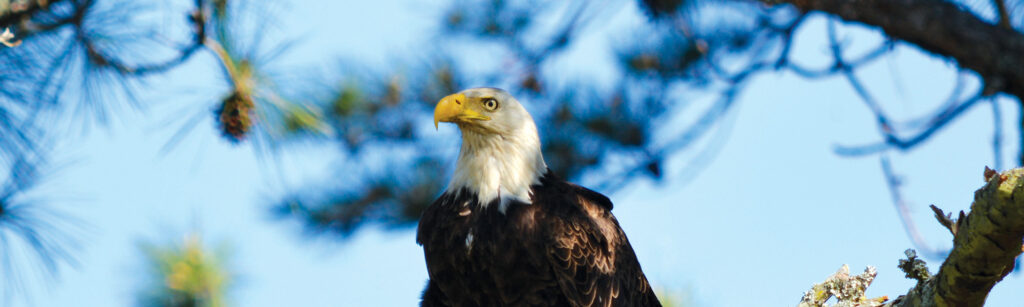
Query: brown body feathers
(564, 249)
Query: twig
(997, 134)
(682, 141)
(1004, 16)
(858, 87)
(946, 219)
(814, 73)
(7, 38)
(885, 126)
(198, 20)
(952, 101)
(787, 40)
(726, 100)
(893, 183)
(894, 141)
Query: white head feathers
(501, 155)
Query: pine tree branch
(942, 28)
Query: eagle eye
(490, 104)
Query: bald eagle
(509, 232)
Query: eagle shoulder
(429, 219)
(591, 196)
(589, 253)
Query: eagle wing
(591, 257)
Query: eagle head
(500, 157)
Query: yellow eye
(490, 104)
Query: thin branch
(560, 40)
(893, 141)
(197, 18)
(997, 134)
(787, 40)
(885, 126)
(952, 101)
(813, 73)
(734, 83)
(858, 87)
(946, 219)
(894, 183)
(1004, 16)
(705, 122)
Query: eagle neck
(498, 166)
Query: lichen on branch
(848, 290)
(986, 242)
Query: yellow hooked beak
(453, 108)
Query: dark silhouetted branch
(939, 121)
(885, 125)
(197, 18)
(1004, 15)
(787, 40)
(835, 68)
(952, 101)
(943, 28)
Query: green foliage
(185, 274)
(298, 118)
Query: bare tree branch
(892, 140)
(984, 248)
(885, 125)
(943, 28)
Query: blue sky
(772, 213)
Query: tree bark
(986, 243)
(943, 28)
